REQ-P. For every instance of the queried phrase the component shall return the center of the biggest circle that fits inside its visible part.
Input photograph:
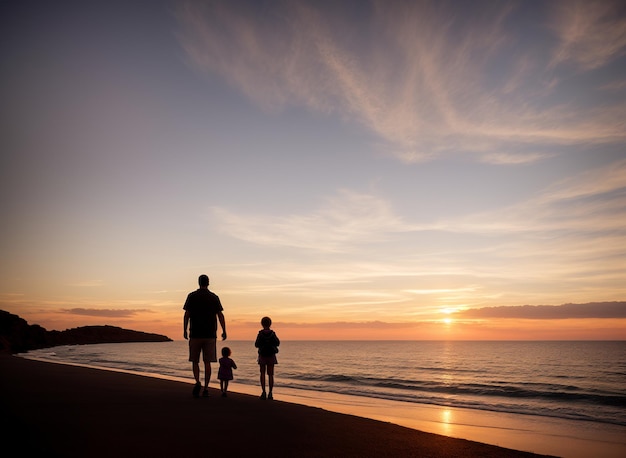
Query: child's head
(266, 322)
(225, 352)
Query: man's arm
(220, 316)
(185, 323)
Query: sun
(448, 311)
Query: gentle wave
(450, 399)
(553, 392)
(575, 381)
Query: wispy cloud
(513, 159)
(590, 33)
(347, 219)
(567, 236)
(88, 284)
(418, 74)
(614, 86)
(352, 325)
(594, 182)
(591, 202)
(108, 313)
(548, 312)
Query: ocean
(578, 381)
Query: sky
(354, 169)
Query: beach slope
(56, 410)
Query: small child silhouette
(225, 372)
(267, 342)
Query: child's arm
(233, 364)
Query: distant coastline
(17, 336)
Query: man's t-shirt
(203, 306)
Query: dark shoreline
(74, 411)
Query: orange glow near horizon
(448, 328)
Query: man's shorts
(207, 346)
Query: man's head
(203, 281)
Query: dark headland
(17, 336)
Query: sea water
(583, 380)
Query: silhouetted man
(202, 310)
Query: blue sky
(323, 162)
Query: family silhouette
(203, 310)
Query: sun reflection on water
(446, 421)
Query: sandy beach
(72, 411)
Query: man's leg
(194, 357)
(207, 374)
(208, 355)
(195, 368)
